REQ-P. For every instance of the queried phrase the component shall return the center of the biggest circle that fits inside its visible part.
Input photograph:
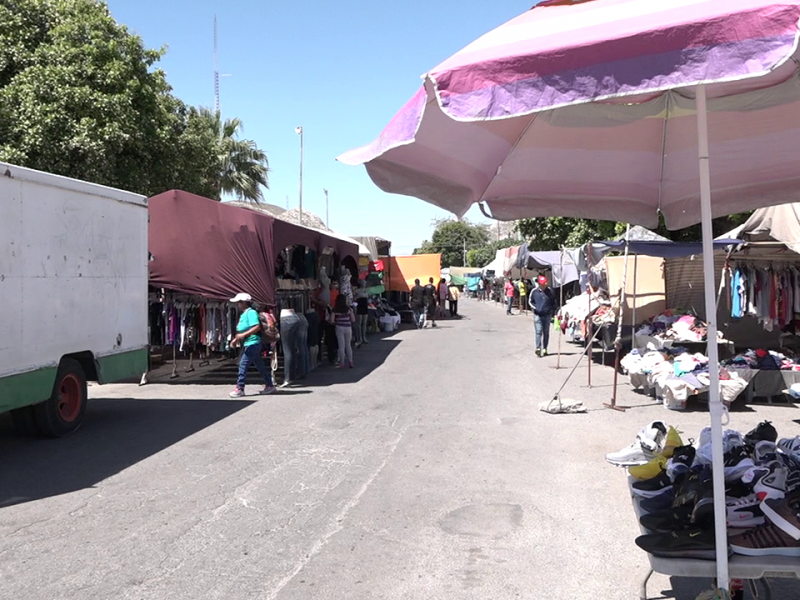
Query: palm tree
(243, 167)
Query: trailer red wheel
(63, 412)
(70, 398)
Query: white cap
(242, 297)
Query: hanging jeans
(541, 325)
(303, 363)
(290, 339)
(344, 335)
(251, 355)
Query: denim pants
(290, 340)
(419, 315)
(344, 333)
(251, 355)
(541, 325)
(509, 302)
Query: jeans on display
(541, 325)
(361, 321)
(344, 335)
(290, 339)
(251, 355)
(303, 364)
(509, 302)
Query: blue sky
(339, 69)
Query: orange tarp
(403, 270)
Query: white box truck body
(73, 294)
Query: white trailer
(73, 294)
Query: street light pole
(299, 130)
(327, 216)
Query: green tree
(552, 233)
(79, 95)
(242, 167)
(451, 237)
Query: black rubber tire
(25, 421)
(47, 413)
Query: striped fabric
(586, 110)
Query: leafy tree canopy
(450, 237)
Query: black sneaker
(658, 503)
(690, 543)
(681, 462)
(652, 487)
(764, 431)
(696, 486)
(671, 519)
(737, 463)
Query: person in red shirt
(509, 295)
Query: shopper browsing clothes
(418, 303)
(343, 319)
(452, 296)
(248, 336)
(430, 302)
(543, 304)
(509, 289)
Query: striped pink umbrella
(612, 109)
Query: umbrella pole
(717, 410)
(618, 340)
(633, 310)
(589, 335)
(560, 305)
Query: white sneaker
(649, 442)
(744, 512)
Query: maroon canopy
(203, 247)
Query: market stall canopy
(208, 248)
(608, 85)
(560, 264)
(780, 224)
(638, 233)
(403, 270)
(377, 246)
(661, 249)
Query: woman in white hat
(248, 336)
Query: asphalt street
(427, 472)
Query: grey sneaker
(237, 393)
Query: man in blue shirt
(543, 305)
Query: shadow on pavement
(688, 588)
(115, 435)
(366, 359)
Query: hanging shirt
(736, 308)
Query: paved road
(425, 473)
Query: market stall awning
(559, 263)
(662, 249)
(403, 270)
(207, 248)
(780, 224)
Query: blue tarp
(663, 249)
(472, 282)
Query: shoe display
(658, 503)
(744, 512)
(737, 463)
(784, 513)
(771, 484)
(764, 431)
(767, 540)
(690, 543)
(649, 488)
(765, 452)
(649, 442)
(790, 445)
(681, 462)
(670, 519)
(694, 487)
(650, 469)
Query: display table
(766, 383)
(740, 567)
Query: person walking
(343, 319)
(523, 296)
(362, 313)
(430, 302)
(452, 295)
(248, 337)
(442, 296)
(509, 289)
(481, 290)
(418, 304)
(543, 304)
